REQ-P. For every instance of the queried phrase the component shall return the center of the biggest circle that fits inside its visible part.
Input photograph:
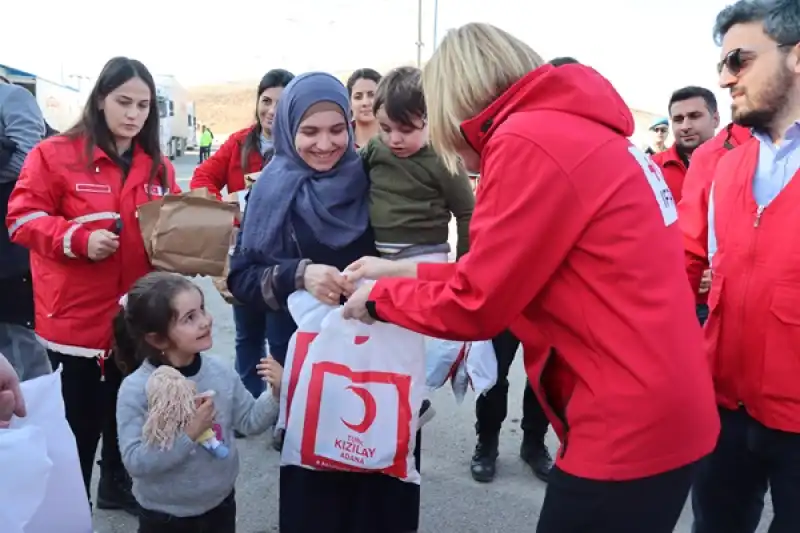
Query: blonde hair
(471, 68)
(170, 406)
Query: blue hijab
(334, 204)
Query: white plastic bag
(481, 366)
(308, 313)
(41, 487)
(442, 359)
(355, 407)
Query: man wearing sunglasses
(694, 116)
(753, 329)
(659, 130)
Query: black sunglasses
(736, 60)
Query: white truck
(177, 118)
(61, 105)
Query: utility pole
(435, 23)
(419, 34)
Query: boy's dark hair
(148, 309)
(400, 95)
(694, 92)
(566, 60)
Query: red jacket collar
(478, 129)
(670, 157)
(573, 89)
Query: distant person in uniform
(206, 140)
(659, 130)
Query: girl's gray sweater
(187, 480)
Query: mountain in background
(229, 107)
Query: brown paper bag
(221, 283)
(193, 235)
(148, 216)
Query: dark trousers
(491, 409)
(347, 502)
(251, 345)
(16, 299)
(91, 408)
(648, 505)
(205, 153)
(220, 519)
(730, 484)
(280, 328)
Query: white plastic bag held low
(41, 488)
(356, 404)
(481, 366)
(308, 313)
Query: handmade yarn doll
(171, 403)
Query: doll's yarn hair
(170, 406)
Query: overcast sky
(647, 48)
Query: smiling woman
(306, 220)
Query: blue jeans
(730, 484)
(251, 340)
(280, 328)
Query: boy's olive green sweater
(412, 198)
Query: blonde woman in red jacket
(245, 152)
(74, 208)
(574, 245)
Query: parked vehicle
(61, 104)
(178, 122)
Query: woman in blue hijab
(306, 220)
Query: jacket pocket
(552, 379)
(782, 344)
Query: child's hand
(271, 371)
(203, 418)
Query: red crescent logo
(370, 410)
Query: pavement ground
(451, 500)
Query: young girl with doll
(178, 409)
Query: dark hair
(781, 19)
(400, 95)
(694, 92)
(94, 127)
(148, 309)
(565, 60)
(277, 77)
(362, 74)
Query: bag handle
(336, 320)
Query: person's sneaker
(483, 466)
(277, 440)
(114, 491)
(535, 453)
(426, 413)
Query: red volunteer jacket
(753, 329)
(575, 246)
(224, 168)
(57, 202)
(673, 169)
(693, 207)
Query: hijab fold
(334, 204)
